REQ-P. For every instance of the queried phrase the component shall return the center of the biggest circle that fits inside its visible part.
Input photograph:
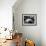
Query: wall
(6, 13)
(43, 22)
(28, 7)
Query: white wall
(28, 7)
(6, 13)
(43, 22)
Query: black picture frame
(29, 19)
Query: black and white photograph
(29, 19)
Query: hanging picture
(29, 19)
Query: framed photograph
(29, 19)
